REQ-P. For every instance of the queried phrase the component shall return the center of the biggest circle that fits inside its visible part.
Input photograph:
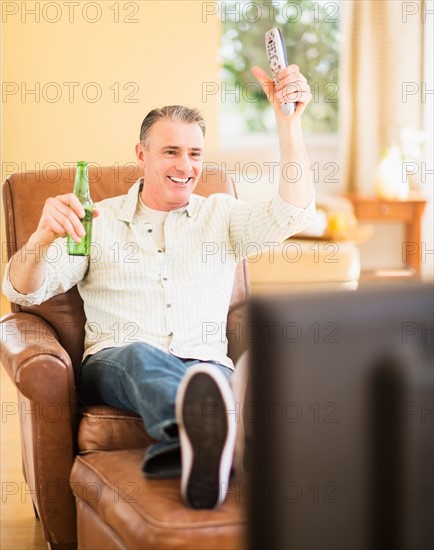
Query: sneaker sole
(207, 437)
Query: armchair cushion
(104, 428)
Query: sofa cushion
(308, 262)
(147, 513)
(103, 428)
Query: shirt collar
(128, 208)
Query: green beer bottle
(81, 191)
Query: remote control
(276, 53)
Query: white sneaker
(205, 411)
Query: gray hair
(171, 112)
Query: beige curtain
(380, 83)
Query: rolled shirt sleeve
(292, 217)
(266, 221)
(62, 273)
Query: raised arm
(295, 184)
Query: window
(311, 33)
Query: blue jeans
(143, 379)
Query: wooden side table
(408, 211)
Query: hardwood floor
(19, 528)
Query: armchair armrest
(26, 338)
(42, 372)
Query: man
(148, 289)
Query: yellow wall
(162, 56)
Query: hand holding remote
(276, 53)
(288, 81)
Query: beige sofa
(324, 257)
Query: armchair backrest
(24, 197)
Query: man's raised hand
(291, 87)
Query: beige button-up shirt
(176, 298)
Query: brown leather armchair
(82, 465)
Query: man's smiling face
(171, 159)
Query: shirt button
(168, 305)
(149, 230)
(170, 334)
(160, 251)
(164, 278)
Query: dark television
(340, 416)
